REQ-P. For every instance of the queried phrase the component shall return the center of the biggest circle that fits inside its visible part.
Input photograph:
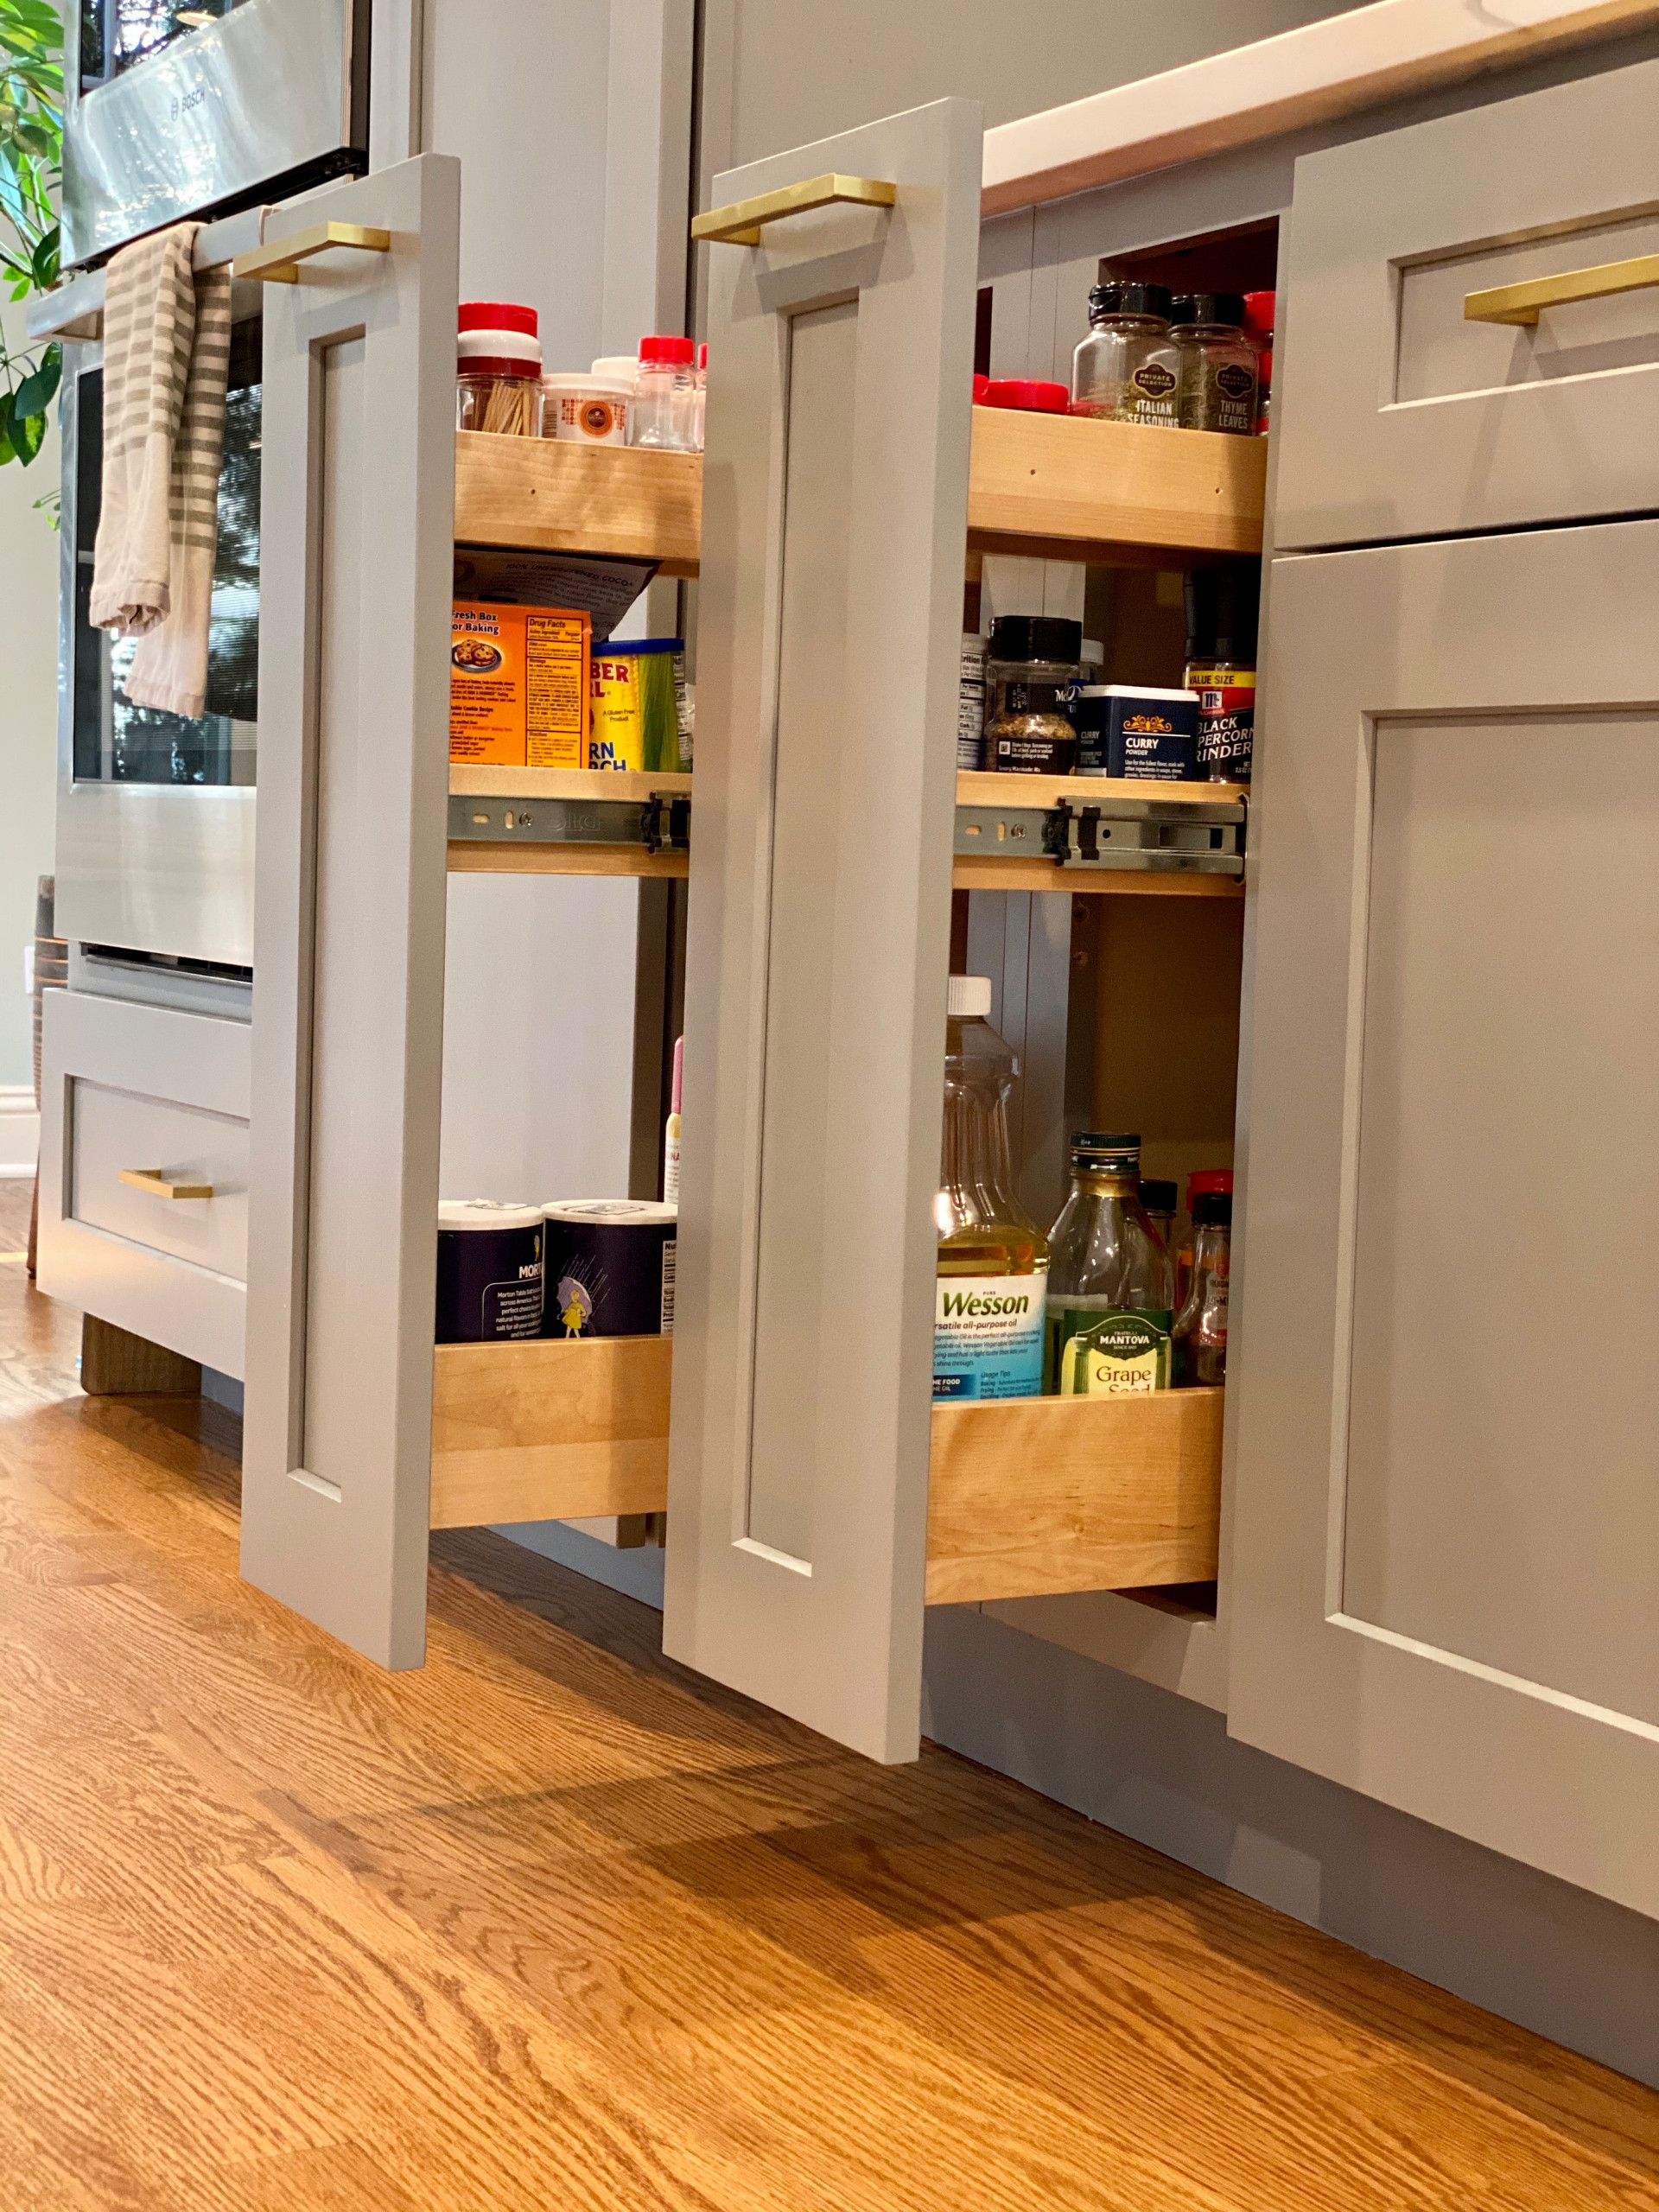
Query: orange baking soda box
(518, 685)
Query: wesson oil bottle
(1110, 1282)
(988, 1334)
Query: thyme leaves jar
(1032, 666)
(1127, 369)
(1218, 363)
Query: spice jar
(1126, 370)
(1206, 1182)
(1217, 362)
(1258, 328)
(1031, 666)
(499, 370)
(665, 395)
(1159, 1197)
(1200, 1332)
(1222, 607)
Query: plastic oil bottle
(988, 1336)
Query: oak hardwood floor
(553, 1923)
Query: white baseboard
(20, 1131)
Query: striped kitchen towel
(167, 352)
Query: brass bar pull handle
(740, 223)
(159, 1184)
(1520, 303)
(277, 261)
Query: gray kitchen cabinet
(1403, 414)
(1446, 1524)
(358, 535)
(835, 518)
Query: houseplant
(31, 146)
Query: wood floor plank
(553, 1922)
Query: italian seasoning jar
(1218, 363)
(1031, 667)
(1126, 370)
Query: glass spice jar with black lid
(1218, 363)
(1126, 370)
(1031, 664)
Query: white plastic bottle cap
(969, 995)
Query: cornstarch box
(518, 685)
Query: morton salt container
(489, 1271)
(610, 1268)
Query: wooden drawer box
(1027, 1498)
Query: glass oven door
(156, 809)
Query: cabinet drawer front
(112, 1130)
(1404, 410)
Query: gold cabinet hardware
(277, 261)
(1520, 303)
(740, 224)
(159, 1184)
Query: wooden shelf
(1065, 488)
(995, 789)
(1027, 1498)
(527, 855)
(478, 857)
(512, 855)
(1054, 486)
(471, 780)
(549, 495)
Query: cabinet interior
(1119, 989)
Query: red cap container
(982, 387)
(1214, 1180)
(1258, 314)
(703, 357)
(676, 352)
(1026, 393)
(499, 314)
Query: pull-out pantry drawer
(1472, 325)
(145, 1171)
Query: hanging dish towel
(166, 353)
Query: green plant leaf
(33, 394)
(27, 435)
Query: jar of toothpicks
(498, 373)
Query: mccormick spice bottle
(1126, 370)
(1204, 1181)
(1201, 1325)
(1032, 666)
(1218, 362)
(1222, 607)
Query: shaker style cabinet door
(1445, 1513)
(835, 522)
(357, 521)
(1471, 332)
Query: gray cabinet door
(1446, 1486)
(1399, 418)
(358, 522)
(835, 522)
